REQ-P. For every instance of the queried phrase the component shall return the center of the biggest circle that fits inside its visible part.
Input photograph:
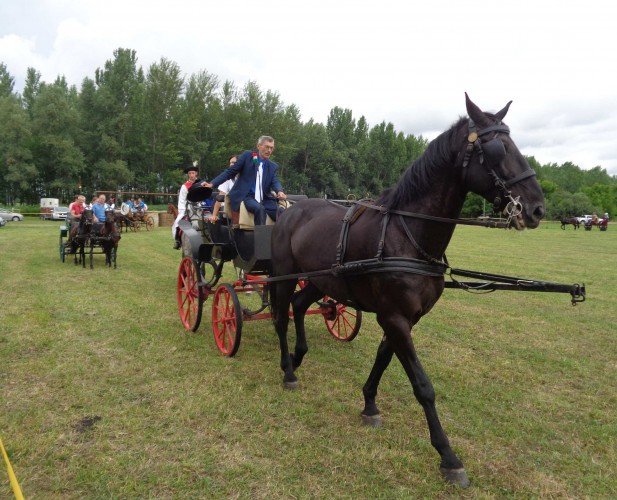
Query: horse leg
(300, 302)
(280, 298)
(370, 414)
(399, 336)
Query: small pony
(570, 220)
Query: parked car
(10, 215)
(584, 219)
(2, 222)
(59, 213)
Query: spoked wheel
(226, 320)
(342, 322)
(137, 225)
(149, 223)
(210, 272)
(190, 294)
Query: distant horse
(80, 234)
(400, 240)
(172, 209)
(109, 238)
(570, 220)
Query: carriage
(208, 246)
(602, 224)
(133, 221)
(82, 237)
(385, 257)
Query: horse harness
(494, 152)
(491, 154)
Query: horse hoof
(372, 420)
(292, 386)
(457, 477)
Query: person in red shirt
(77, 208)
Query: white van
(47, 207)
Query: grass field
(104, 395)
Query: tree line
(127, 129)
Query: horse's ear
(501, 114)
(474, 112)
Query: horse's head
(494, 168)
(86, 217)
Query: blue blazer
(245, 183)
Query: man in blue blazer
(256, 179)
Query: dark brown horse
(79, 236)
(109, 238)
(570, 220)
(408, 229)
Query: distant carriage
(133, 221)
(84, 237)
(601, 223)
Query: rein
(417, 215)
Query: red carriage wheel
(342, 322)
(190, 294)
(226, 320)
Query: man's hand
(206, 184)
(281, 196)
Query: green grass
(104, 395)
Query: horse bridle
(490, 154)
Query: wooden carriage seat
(245, 219)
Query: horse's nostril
(539, 212)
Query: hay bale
(166, 220)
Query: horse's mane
(421, 175)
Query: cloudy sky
(397, 61)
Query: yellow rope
(12, 478)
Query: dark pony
(109, 237)
(570, 220)
(400, 240)
(79, 236)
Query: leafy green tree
(112, 112)
(312, 169)
(31, 89)
(54, 126)
(202, 117)
(341, 128)
(565, 204)
(163, 107)
(17, 169)
(603, 198)
(7, 82)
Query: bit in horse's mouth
(518, 222)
